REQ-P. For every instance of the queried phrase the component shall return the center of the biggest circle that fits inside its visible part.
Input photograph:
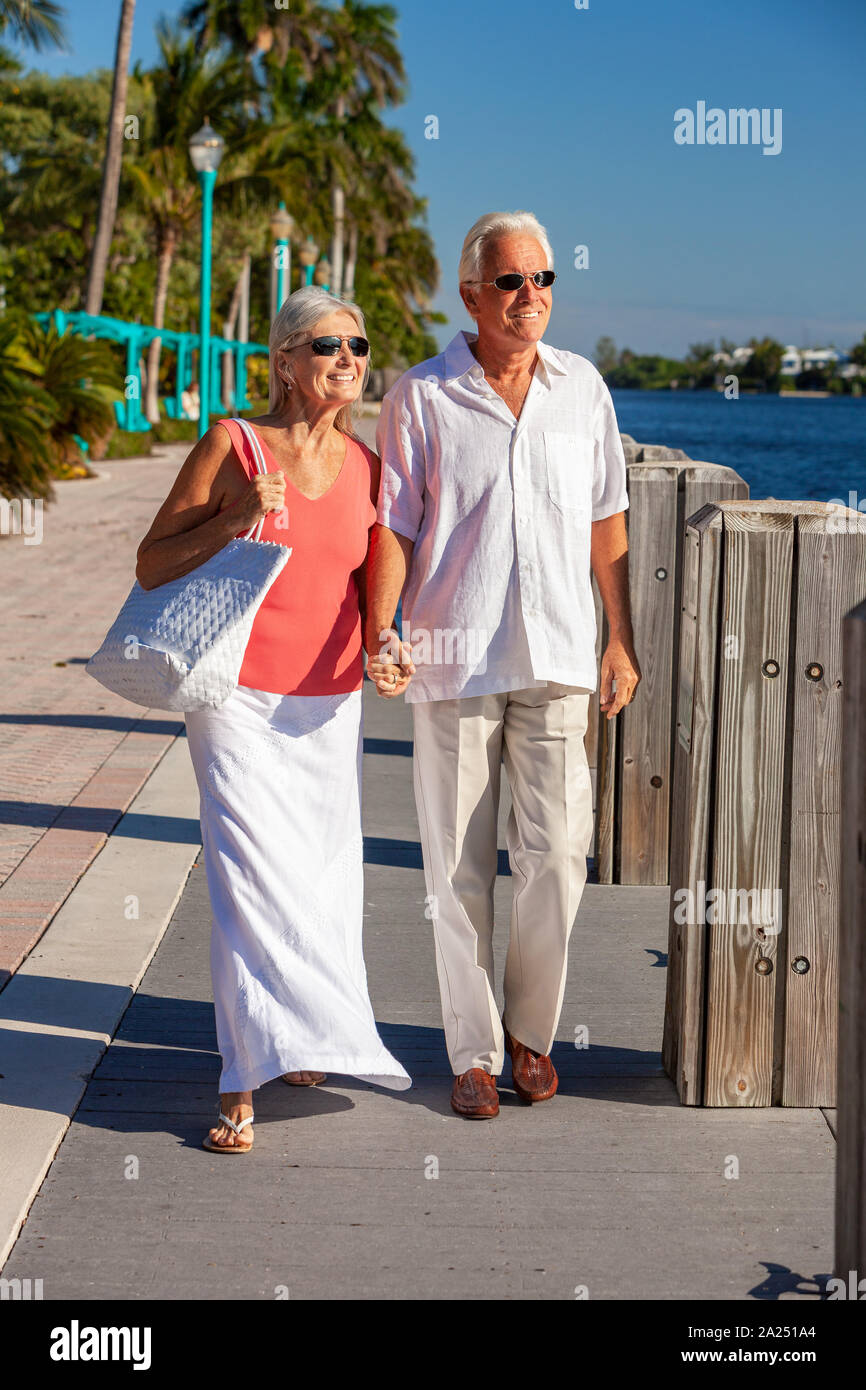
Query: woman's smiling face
(337, 379)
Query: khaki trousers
(459, 747)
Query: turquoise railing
(136, 337)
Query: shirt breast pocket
(569, 466)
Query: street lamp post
(308, 255)
(205, 151)
(283, 229)
(322, 274)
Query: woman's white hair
(488, 228)
(294, 323)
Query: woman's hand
(265, 493)
(391, 668)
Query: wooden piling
(851, 1115)
(634, 761)
(750, 1012)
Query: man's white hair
(492, 226)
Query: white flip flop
(229, 1148)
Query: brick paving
(72, 755)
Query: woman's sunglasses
(330, 346)
(515, 281)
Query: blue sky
(570, 113)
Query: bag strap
(255, 531)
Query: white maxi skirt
(279, 780)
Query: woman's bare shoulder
(208, 457)
(205, 477)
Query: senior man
(503, 481)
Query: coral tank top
(306, 636)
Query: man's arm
(388, 561)
(400, 509)
(609, 560)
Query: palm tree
(52, 388)
(113, 158)
(316, 59)
(327, 72)
(26, 415)
(383, 170)
(36, 23)
(80, 376)
(290, 36)
(362, 60)
(184, 87)
(237, 21)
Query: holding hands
(391, 668)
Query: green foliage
(51, 136)
(80, 377)
(645, 373)
(700, 369)
(33, 22)
(324, 75)
(605, 355)
(26, 415)
(128, 444)
(258, 378)
(51, 389)
(762, 371)
(858, 352)
(297, 94)
(171, 431)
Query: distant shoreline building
(796, 360)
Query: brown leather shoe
(474, 1095)
(534, 1074)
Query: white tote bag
(181, 645)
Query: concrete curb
(60, 1010)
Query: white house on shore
(798, 360)
(795, 360)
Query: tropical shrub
(52, 388)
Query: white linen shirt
(498, 594)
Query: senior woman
(278, 764)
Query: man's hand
(392, 667)
(619, 663)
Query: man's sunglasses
(330, 346)
(515, 281)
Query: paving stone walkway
(352, 1192)
(612, 1189)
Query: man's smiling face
(511, 317)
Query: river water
(795, 450)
